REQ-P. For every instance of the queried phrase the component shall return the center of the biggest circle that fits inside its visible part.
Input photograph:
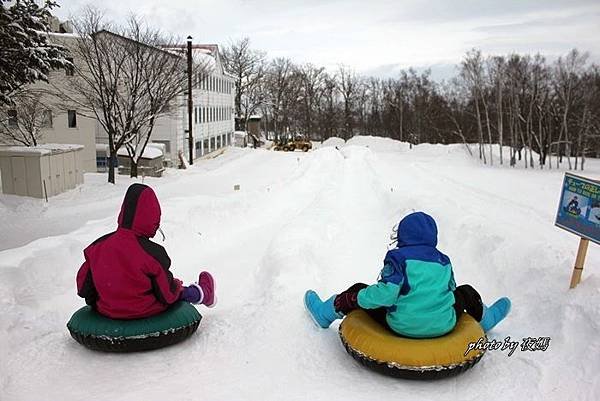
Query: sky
(377, 37)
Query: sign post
(579, 213)
(579, 261)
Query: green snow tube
(100, 333)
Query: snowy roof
(9, 150)
(60, 146)
(161, 146)
(46, 149)
(64, 35)
(149, 152)
(205, 55)
(240, 133)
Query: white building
(213, 123)
(213, 109)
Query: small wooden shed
(41, 171)
(150, 164)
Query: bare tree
(514, 100)
(496, 68)
(125, 78)
(312, 79)
(248, 67)
(278, 80)
(330, 110)
(566, 80)
(23, 122)
(395, 93)
(348, 84)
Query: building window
(101, 163)
(198, 145)
(205, 150)
(12, 118)
(70, 69)
(195, 115)
(72, 118)
(47, 119)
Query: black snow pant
(347, 301)
(467, 299)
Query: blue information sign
(579, 207)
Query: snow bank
(316, 220)
(379, 144)
(333, 142)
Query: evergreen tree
(26, 55)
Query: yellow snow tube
(431, 358)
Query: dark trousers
(347, 301)
(467, 299)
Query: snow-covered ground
(316, 220)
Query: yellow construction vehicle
(290, 145)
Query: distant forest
(521, 107)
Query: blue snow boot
(323, 313)
(494, 314)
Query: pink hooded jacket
(125, 275)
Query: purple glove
(191, 294)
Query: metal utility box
(40, 171)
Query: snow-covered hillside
(316, 220)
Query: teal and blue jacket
(416, 283)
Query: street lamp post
(190, 100)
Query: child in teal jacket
(416, 295)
